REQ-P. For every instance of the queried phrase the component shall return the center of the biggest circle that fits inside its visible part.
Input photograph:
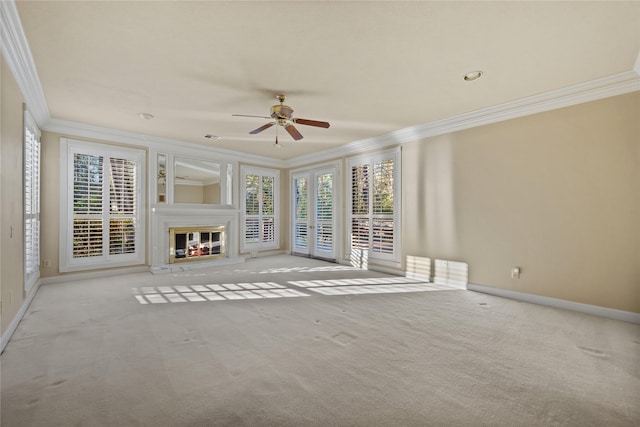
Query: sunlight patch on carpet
(213, 292)
(263, 290)
(376, 285)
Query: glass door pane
(301, 215)
(324, 215)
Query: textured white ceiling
(369, 68)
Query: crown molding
(617, 84)
(18, 56)
(75, 129)
(16, 52)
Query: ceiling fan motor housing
(281, 111)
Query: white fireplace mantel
(164, 217)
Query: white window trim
(67, 263)
(252, 170)
(390, 260)
(32, 272)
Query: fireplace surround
(196, 243)
(198, 218)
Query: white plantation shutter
(88, 178)
(360, 233)
(301, 216)
(105, 223)
(87, 238)
(31, 202)
(360, 190)
(324, 213)
(268, 211)
(122, 221)
(374, 212)
(268, 230)
(382, 231)
(300, 240)
(260, 210)
(252, 209)
(252, 230)
(382, 236)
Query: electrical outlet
(47, 263)
(515, 273)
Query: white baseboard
(19, 315)
(262, 254)
(70, 277)
(417, 276)
(609, 313)
(382, 269)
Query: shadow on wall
(444, 272)
(429, 219)
(440, 208)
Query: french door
(314, 216)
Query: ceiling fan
(281, 114)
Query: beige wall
(11, 200)
(211, 194)
(556, 193)
(49, 204)
(187, 194)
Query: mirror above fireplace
(201, 182)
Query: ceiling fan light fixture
(282, 116)
(472, 75)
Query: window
(374, 206)
(31, 202)
(300, 215)
(260, 209)
(102, 221)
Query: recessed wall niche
(162, 178)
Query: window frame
(261, 173)
(389, 259)
(68, 149)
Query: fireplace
(200, 219)
(196, 243)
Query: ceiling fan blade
(315, 123)
(248, 115)
(293, 132)
(261, 128)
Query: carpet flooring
(289, 341)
